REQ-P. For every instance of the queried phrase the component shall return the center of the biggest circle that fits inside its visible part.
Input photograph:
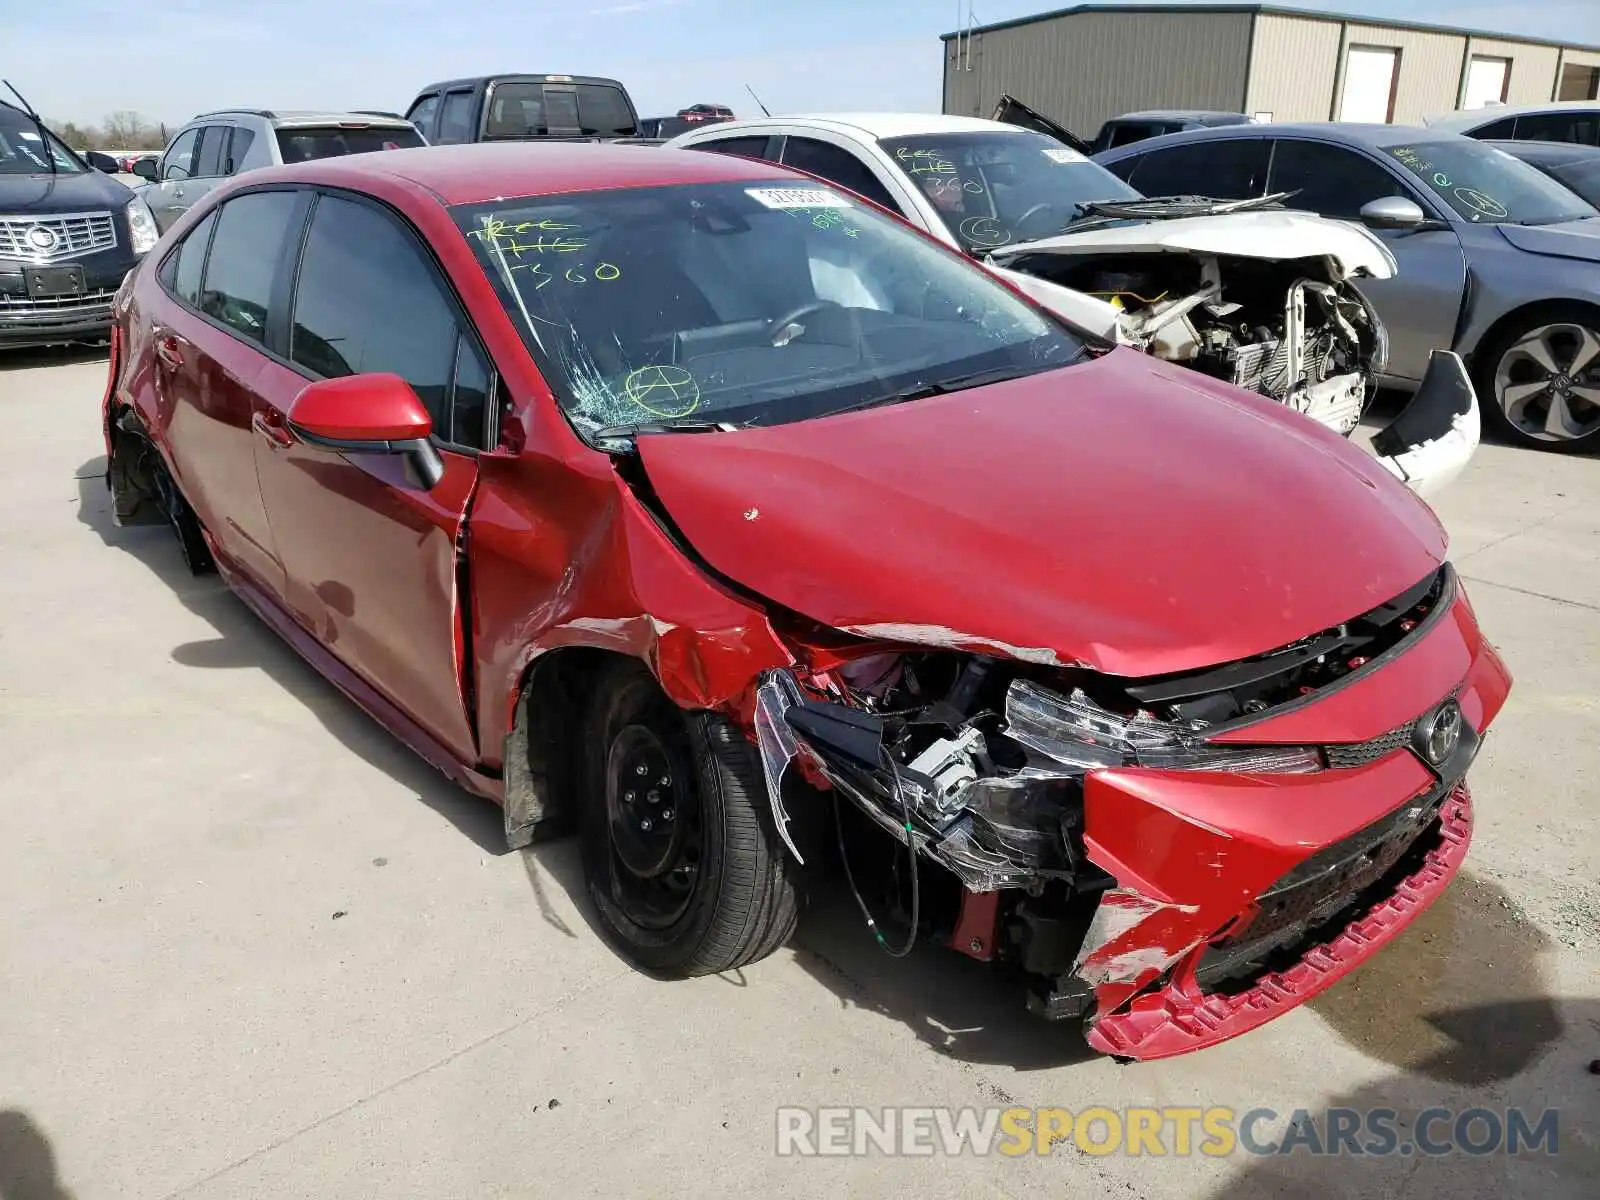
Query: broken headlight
(1077, 732)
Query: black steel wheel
(683, 865)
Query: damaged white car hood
(1274, 234)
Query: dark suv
(68, 236)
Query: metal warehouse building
(1083, 65)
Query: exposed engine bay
(978, 764)
(1292, 330)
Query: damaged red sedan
(710, 510)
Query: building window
(1579, 82)
(1371, 77)
(1488, 81)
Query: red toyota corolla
(716, 512)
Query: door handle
(270, 425)
(178, 192)
(167, 351)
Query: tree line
(121, 130)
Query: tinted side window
(421, 114)
(237, 149)
(179, 160)
(1121, 135)
(245, 252)
(191, 259)
(455, 121)
(208, 161)
(1331, 180)
(1232, 169)
(837, 166)
(1499, 129)
(743, 147)
(367, 300)
(1581, 127)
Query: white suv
(218, 144)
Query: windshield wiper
(632, 429)
(936, 387)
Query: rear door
(371, 557)
(211, 349)
(1422, 302)
(210, 165)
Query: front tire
(1542, 381)
(683, 865)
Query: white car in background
(1245, 291)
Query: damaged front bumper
(1437, 433)
(1170, 892)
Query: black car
(68, 235)
(1571, 164)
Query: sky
(77, 60)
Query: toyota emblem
(1439, 733)
(41, 238)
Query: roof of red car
(474, 173)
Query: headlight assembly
(1077, 732)
(142, 231)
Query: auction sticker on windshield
(777, 197)
(1063, 155)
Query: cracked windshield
(745, 304)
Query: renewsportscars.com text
(1170, 1131)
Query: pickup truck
(496, 108)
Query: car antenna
(757, 99)
(44, 134)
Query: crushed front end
(1172, 860)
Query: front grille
(57, 237)
(1359, 754)
(56, 310)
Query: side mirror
(1393, 212)
(147, 168)
(368, 414)
(101, 162)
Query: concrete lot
(249, 946)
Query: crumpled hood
(1273, 234)
(1569, 239)
(1126, 514)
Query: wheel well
(544, 750)
(1526, 315)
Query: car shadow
(956, 1006)
(28, 1168)
(38, 357)
(1459, 1000)
(243, 641)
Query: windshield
(301, 144)
(1000, 187)
(22, 150)
(744, 303)
(1489, 186)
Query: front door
(1419, 306)
(168, 195)
(371, 556)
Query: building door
(1487, 81)
(1370, 76)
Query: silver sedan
(1496, 260)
